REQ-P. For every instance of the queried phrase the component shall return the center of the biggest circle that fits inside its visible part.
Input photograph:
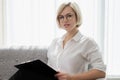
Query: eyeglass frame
(68, 17)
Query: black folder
(34, 70)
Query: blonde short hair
(75, 8)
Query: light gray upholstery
(10, 57)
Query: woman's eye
(69, 15)
(61, 17)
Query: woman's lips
(66, 25)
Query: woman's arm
(90, 75)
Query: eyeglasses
(67, 16)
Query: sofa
(12, 56)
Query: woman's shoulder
(55, 40)
(88, 40)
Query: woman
(74, 56)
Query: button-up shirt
(80, 54)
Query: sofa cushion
(10, 57)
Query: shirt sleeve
(93, 56)
(51, 48)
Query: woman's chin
(68, 30)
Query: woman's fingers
(62, 76)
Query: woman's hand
(63, 76)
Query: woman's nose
(65, 19)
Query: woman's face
(67, 19)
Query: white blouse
(79, 54)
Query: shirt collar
(75, 38)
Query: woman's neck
(71, 34)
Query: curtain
(112, 38)
(33, 23)
(1, 23)
(29, 22)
